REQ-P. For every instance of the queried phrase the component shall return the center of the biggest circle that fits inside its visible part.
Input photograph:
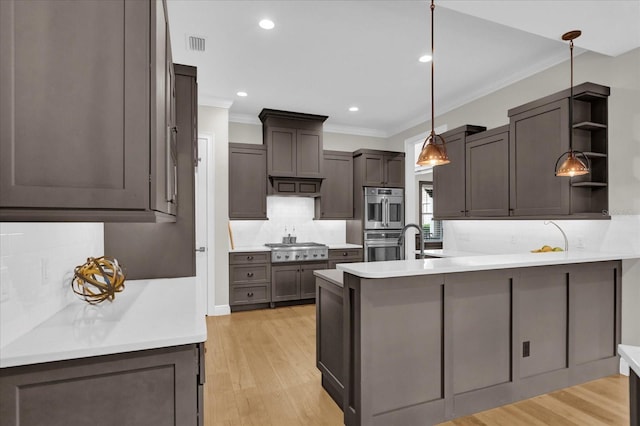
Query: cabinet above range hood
(294, 152)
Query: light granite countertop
(148, 314)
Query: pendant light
(432, 153)
(573, 165)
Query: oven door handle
(382, 244)
(385, 221)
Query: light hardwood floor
(261, 371)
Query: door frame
(206, 160)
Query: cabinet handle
(250, 294)
(344, 253)
(249, 274)
(249, 257)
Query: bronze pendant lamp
(573, 165)
(432, 153)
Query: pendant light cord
(433, 132)
(571, 100)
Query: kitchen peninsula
(429, 340)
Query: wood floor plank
(260, 368)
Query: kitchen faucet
(566, 241)
(401, 237)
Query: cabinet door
(593, 290)
(247, 181)
(487, 162)
(480, 318)
(336, 191)
(394, 171)
(537, 138)
(150, 387)
(308, 280)
(449, 180)
(281, 151)
(542, 317)
(74, 110)
(285, 282)
(309, 154)
(373, 169)
(163, 195)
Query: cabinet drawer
(249, 294)
(350, 254)
(248, 274)
(250, 257)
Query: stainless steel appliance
(383, 208)
(298, 252)
(383, 245)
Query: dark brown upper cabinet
(87, 130)
(539, 134)
(294, 144)
(142, 247)
(449, 180)
(247, 181)
(487, 174)
(336, 192)
(378, 168)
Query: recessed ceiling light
(242, 94)
(353, 108)
(266, 24)
(425, 58)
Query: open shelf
(589, 125)
(592, 154)
(589, 184)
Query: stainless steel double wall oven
(383, 220)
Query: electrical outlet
(514, 239)
(579, 243)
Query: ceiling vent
(196, 43)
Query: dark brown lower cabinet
(294, 281)
(329, 333)
(469, 341)
(249, 280)
(160, 387)
(344, 256)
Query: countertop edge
(407, 268)
(631, 354)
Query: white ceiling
(325, 56)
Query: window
(432, 228)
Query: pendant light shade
(572, 166)
(433, 153)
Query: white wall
(36, 268)
(287, 212)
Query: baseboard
(221, 310)
(624, 367)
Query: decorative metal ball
(99, 279)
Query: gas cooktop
(297, 252)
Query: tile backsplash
(620, 234)
(36, 267)
(289, 213)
